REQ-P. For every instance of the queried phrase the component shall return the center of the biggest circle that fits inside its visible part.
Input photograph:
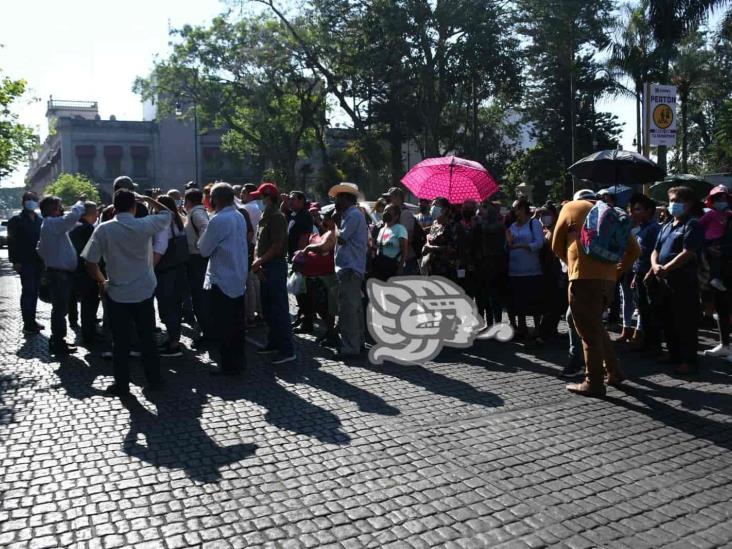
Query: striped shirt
(225, 242)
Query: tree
(409, 69)
(16, 140)
(633, 56)
(565, 80)
(242, 75)
(692, 68)
(68, 187)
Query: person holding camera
(125, 244)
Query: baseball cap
(265, 189)
(124, 182)
(584, 194)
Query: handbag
(176, 254)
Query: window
(85, 160)
(139, 161)
(112, 161)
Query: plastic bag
(296, 284)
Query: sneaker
(171, 352)
(719, 350)
(283, 359)
(717, 284)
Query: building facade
(163, 153)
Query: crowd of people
(224, 258)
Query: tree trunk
(638, 127)
(684, 132)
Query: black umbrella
(615, 166)
(700, 186)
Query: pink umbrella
(454, 178)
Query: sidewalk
(481, 448)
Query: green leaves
(69, 187)
(17, 141)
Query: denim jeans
(230, 324)
(59, 284)
(30, 281)
(170, 291)
(276, 306)
(123, 319)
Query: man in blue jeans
(59, 255)
(24, 230)
(270, 264)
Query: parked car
(3, 233)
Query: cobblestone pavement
(482, 448)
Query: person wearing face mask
(714, 223)
(469, 248)
(270, 265)
(555, 276)
(674, 279)
(440, 253)
(59, 255)
(391, 246)
(24, 230)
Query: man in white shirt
(59, 255)
(125, 243)
(224, 242)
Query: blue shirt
(350, 252)
(523, 262)
(54, 245)
(676, 237)
(646, 236)
(225, 242)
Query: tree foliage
(16, 140)
(69, 187)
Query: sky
(92, 50)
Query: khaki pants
(587, 301)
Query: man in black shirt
(124, 182)
(298, 234)
(24, 230)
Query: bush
(69, 187)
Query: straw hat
(350, 188)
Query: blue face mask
(676, 209)
(30, 205)
(720, 206)
(436, 211)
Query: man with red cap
(270, 264)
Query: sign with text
(662, 115)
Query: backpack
(605, 233)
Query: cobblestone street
(479, 448)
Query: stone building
(163, 153)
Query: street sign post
(661, 115)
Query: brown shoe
(584, 389)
